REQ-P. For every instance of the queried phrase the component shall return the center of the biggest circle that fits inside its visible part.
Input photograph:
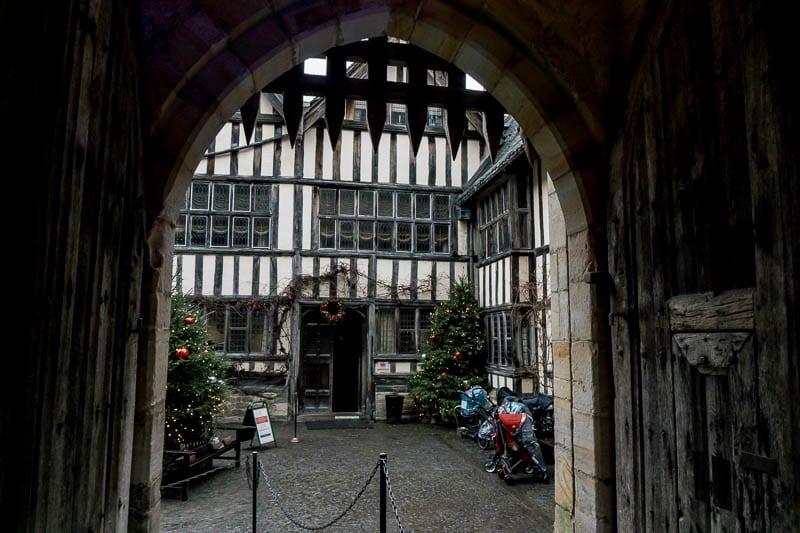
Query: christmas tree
(195, 386)
(454, 356)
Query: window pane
(237, 331)
(366, 203)
(241, 231)
(491, 247)
(360, 110)
(215, 323)
(523, 230)
(347, 239)
(407, 338)
(522, 192)
(327, 233)
(200, 192)
(241, 198)
(199, 230)
(423, 206)
(260, 232)
(180, 231)
(404, 204)
(222, 197)
(366, 235)
(403, 237)
(385, 236)
(423, 243)
(397, 114)
(434, 117)
(385, 204)
(441, 207)
(257, 330)
(219, 231)
(386, 331)
(424, 327)
(441, 238)
(507, 337)
(261, 195)
(347, 203)
(327, 202)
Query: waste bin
(394, 408)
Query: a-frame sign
(257, 415)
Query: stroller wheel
(508, 479)
(491, 464)
(484, 444)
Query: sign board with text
(258, 415)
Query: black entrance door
(331, 360)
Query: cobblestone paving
(436, 477)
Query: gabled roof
(511, 148)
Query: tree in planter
(195, 386)
(454, 360)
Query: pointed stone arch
(201, 72)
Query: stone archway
(200, 72)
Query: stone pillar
(584, 450)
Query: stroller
(474, 410)
(517, 449)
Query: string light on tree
(196, 389)
(454, 356)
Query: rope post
(255, 487)
(383, 492)
(294, 410)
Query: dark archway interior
(669, 132)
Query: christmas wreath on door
(332, 310)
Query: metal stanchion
(255, 487)
(383, 493)
(294, 409)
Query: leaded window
(494, 223)
(383, 221)
(239, 330)
(222, 215)
(403, 330)
(499, 329)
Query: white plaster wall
(246, 275)
(285, 216)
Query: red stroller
(517, 449)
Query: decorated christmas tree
(195, 386)
(454, 356)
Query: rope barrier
(252, 483)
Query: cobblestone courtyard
(436, 477)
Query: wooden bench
(185, 466)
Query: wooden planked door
(314, 389)
(721, 468)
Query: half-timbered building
(278, 225)
(507, 200)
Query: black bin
(394, 408)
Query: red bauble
(182, 353)
(468, 309)
(458, 356)
(444, 374)
(189, 320)
(433, 336)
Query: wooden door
(719, 465)
(314, 390)
(331, 365)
